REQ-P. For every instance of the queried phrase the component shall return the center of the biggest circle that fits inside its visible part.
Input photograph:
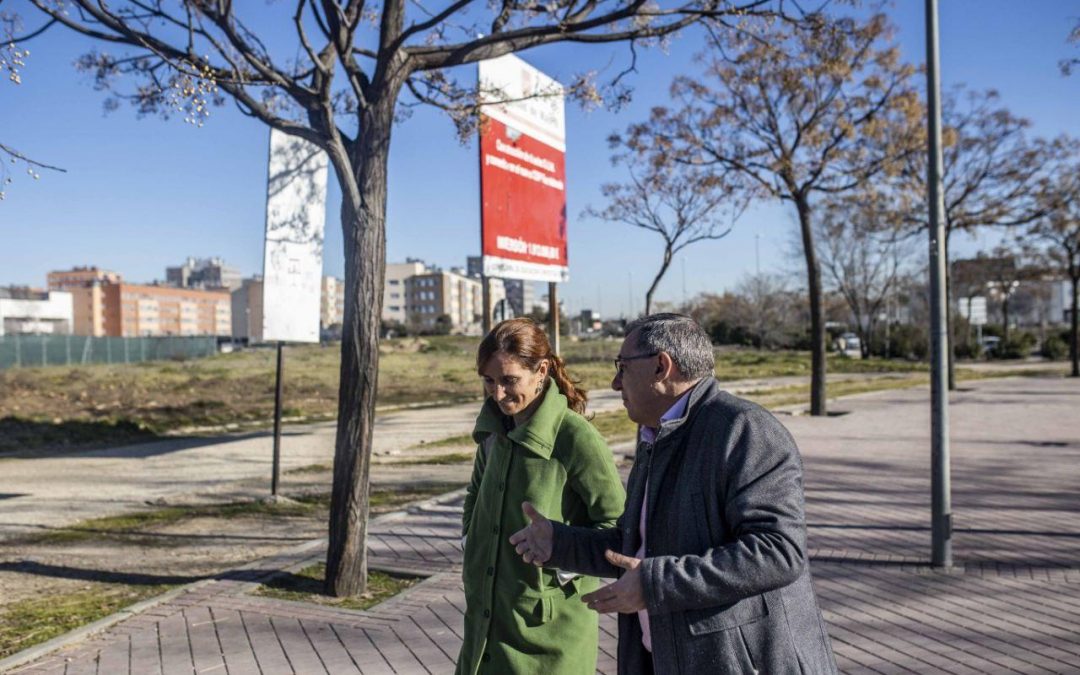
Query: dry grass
(79, 406)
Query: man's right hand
(534, 542)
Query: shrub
(1054, 348)
(1018, 346)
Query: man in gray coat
(711, 548)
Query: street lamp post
(941, 499)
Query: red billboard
(522, 173)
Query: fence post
(142, 349)
(44, 350)
(88, 344)
(18, 351)
(125, 348)
(67, 349)
(108, 349)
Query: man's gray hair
(678, 336)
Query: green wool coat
(518, 618)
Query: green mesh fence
(28, 351)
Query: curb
(12, 663)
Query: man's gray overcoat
(725, 572)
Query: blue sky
(139, 195)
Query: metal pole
(277, 423)
(553, 315)
(941, 500)
(485, 293)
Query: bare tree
(336, 82)
(677, 202)
(12, 59)
(1067, 65)
(769, 303)
(1005, 271)
(863, 261)
(793, 112)
(1060, 228)
(991, 177)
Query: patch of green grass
(307, 586)
(33, 621)
(446, 458)
(311, 468)
(449, 441)
(384, 499)
(19, 433)
(139, 523)
(614, 425)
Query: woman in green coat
(534, 446)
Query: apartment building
(25, 311)
(87, 296)
(518, 293)
(395, 302)
(206, 273)
(247, 310)
(332, 302)
(452, 294)
(134, 310)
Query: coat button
(490, 571)
(486, 658)
(487, 613)
(495, 530)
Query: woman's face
(512, 386)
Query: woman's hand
(535, 541)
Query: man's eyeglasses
(620, 361)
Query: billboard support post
(553, 315)
(485, 290)
(277, 422)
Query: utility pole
(941, 497)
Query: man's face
(636, 379)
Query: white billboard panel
(292, 259)
(526, 99)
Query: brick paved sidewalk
(1012, 603)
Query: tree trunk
(817, 310)
(364, 231)
(656, 280)
(1074, 324)
(864, 339)
(1004, 320)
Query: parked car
(849, 345)
(989, 344)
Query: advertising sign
(974, 309)
(522, 172)
(292, 259)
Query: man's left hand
(626, 595)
